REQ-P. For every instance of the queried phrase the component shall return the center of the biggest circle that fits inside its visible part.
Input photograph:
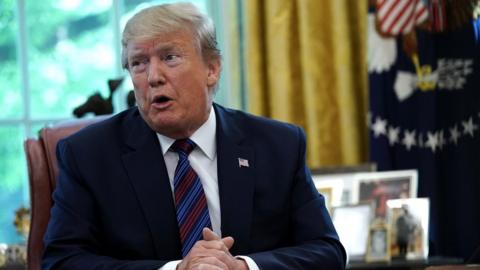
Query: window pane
(35, 129)
(132, 5)
(70, 52)
(13, 182)
(10, 91)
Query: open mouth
(161, 99)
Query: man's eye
(138, 65)
(171, 57)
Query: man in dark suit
(155, 186)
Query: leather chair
(42, 176)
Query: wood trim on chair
(42, 175)
(40, 200)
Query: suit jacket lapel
(148, 174)
(235, 181)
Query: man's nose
(156, 76)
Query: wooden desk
(405, 265)
(13, 267)
(455, 267)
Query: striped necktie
(190, 201)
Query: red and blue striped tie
(190, 201)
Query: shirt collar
(204, 137)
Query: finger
(209, 235)
(212, 244)
(207, 263)
(206, 267)
(222, 255)
(228, 242)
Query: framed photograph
(378, 187)
(338, 186)
(408, 220)
(327, 194)
(378, 249)
(354, 238)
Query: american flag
(243, 162)
(400, 16)
(439, 15)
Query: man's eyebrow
(160, 49)
(165, 48)
(136, 53)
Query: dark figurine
(131, 99)
(96, 104)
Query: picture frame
(338, 186)
(409, 221)
(378, 187)
(353, 238)
(379, 238)
(326, 192)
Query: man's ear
(214, 67)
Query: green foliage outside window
(10, 97)
(12, 173)
(70, 54)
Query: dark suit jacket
(114, 209)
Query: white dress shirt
(203, 160)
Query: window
(53, 55)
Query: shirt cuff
(170, 265)
(250, 263)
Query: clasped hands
(212, 253)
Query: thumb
(228, 242)
(209, 235)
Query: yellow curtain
(306, 64)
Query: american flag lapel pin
(243, 163)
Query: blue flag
(425, 115)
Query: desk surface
(13, 267)
(404, 264)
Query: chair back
(42, 177)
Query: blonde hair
(162, 19)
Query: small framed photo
(354, 238)
(378, 249)
(327, 195)
(408, 220)
(378, 187)
(339, 186)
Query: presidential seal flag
(425, 115)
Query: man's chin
(167, 127)
(163, 120)
(164, 126)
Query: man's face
(173, 84)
